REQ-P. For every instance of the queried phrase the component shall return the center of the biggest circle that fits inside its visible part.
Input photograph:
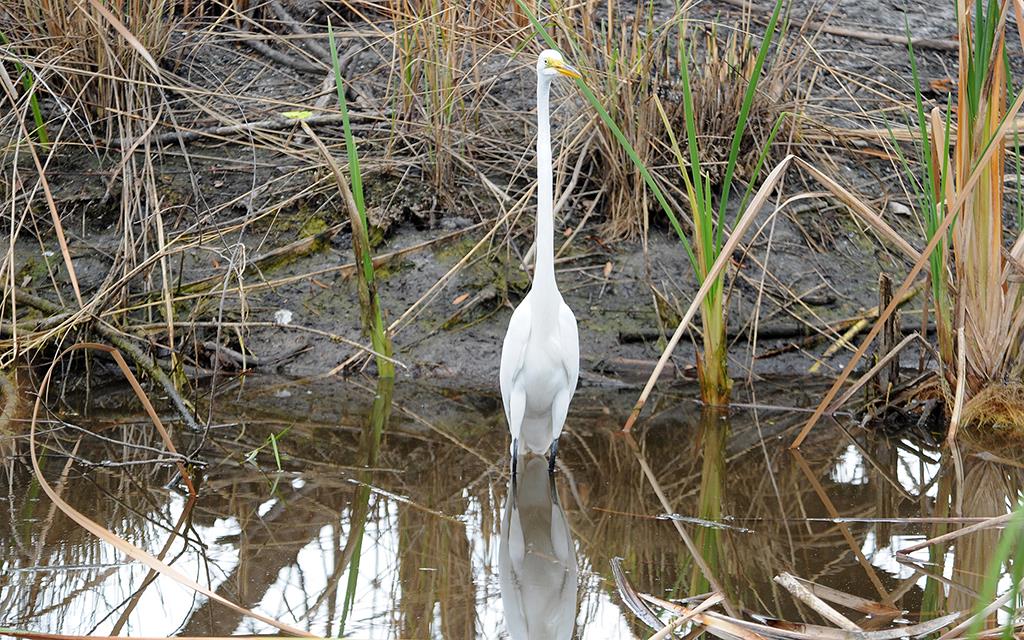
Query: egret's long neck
(544, 272)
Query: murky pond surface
(368, 512)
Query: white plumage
(540, 358)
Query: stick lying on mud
(284, 16)
(256, 43)
(275, 123)
(140, 359)
(249, 361)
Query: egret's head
(551, 64)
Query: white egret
(540, 358)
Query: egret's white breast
(544, 375)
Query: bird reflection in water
(537, 558)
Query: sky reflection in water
(399, 521)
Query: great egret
(537, 567)
(540, 358)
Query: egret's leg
(517, 411)
(515, 457)
(552, 455)
(559, 410)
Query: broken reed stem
(667, 632)
(857, 327)
(220, 133)
(961, 385)
(953, 535)
(802, 593)
(882, 362)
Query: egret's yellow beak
(567, 70)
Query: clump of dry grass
(432, 48)
(996, 404)
(974, 269)
(719, 83)
(85, 60)
(973, 266)
(96, 67)
(640, 63)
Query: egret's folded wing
(513, 352)
(570, 338)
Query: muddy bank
(457, 334)
(627, 298)
(260, 249)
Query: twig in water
(711, 601)
(102, 532)
(802, 593)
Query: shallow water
(391, 516)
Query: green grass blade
(378, 332)
(762, 157)
(922, 117)
(28, 82)
(703, 206)
(350, 144)
(742, 120)
(1008, 542)
(676, 151)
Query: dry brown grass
(1001, 405)
(84, 62)
(97, 67)
(637, 61)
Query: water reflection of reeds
(385, 517)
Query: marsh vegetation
(258, 259)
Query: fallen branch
(141, 360)
(293, 24)
(247, 361)
(256, 43)
(275, 123)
